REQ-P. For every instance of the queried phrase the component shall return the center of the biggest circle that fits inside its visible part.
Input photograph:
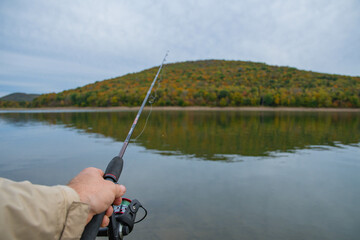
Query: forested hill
(216, 83)
(19, 97)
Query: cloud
(17, 64)
(46, 74)
(93, 40)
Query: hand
(97, 192)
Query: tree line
(214, 83)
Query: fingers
(109, 211)
(105, 221)
(106, 218)
(117, 201)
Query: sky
(50, 46)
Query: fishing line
(134, 140)
(151, 101)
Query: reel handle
(112, 173)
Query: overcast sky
(50, 46)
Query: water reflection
(312, 193)
(212, 135)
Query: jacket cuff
(77, 214)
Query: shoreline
(175, 108)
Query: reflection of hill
(209, 134)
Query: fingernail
(123, 188)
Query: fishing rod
(123, 218)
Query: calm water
(206, 175)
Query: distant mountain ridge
(19, 97)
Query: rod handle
(112, 173)
(113, 169)
(92, 228)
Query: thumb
(119, 192)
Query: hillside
(216, 83)
(19, 97)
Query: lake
(205, 174)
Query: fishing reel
(123, 219)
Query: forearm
(40, 212)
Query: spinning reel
(123, 219)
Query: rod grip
(112, 173)
(114, 168)
(92, 228)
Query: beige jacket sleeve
(29, 211)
